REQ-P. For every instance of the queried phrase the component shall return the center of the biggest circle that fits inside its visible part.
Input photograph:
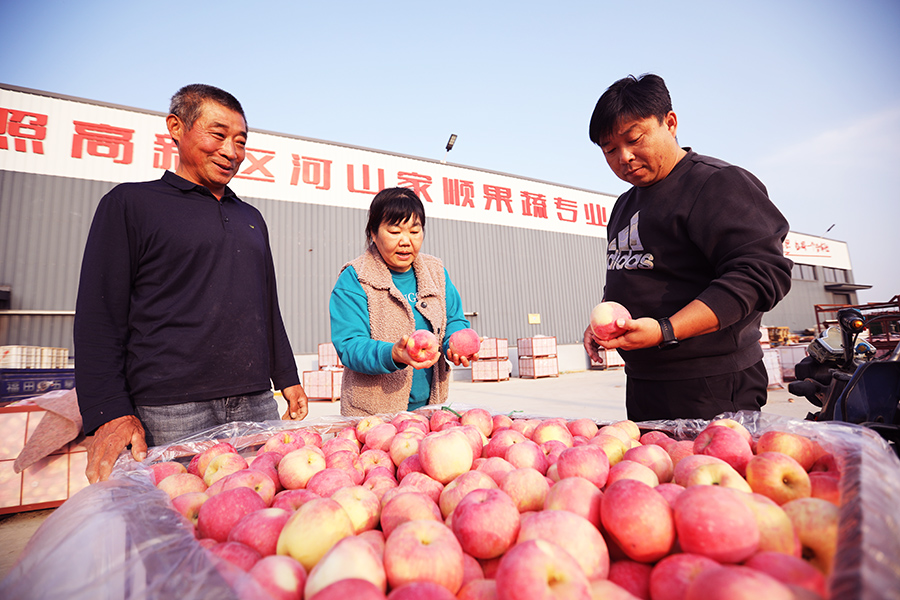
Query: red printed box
(324, 384)
(328, 356)
(537, 346)
(490, 370)
(494, 348)
(532, 367)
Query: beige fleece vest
(390, 318)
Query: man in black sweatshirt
(696, 256)
(177, 324)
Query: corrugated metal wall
(503, 273)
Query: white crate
(324, 384)
(491, 369)
(532, 367)
(790, 356)
(537, 346)
(20, 357)
(772, 360)
(328, 356)
(494, 348)
(608, 359)
(54, 358)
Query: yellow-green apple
(656, 437)
(527, 454)
(188, 504)
(734, 425)
(361, 504)
(537, 569)
(410, 464)
(350, 558)
(576, 495)
(629, 427)
(496, 467)
(776, 532)
(790, 570)
(260, 529)
(735, 582)
(670, 577)
(655, 457)
(221, 512)
(236, 553)
(404, 445)
(717, 474)
(423, 483)
(825, 485)
(222, 465)
(357, 589)
(725, 443)
(778, 476)
(267, 463)
(283, 442)
(580, 537)
(486, 523)
(339, 443)
(500, 422)
(297, 466)
(584, 427)
(161, 470)
(365, 424)
(552, 449)
(421, 590)
(679, 450)
(257, 481)
(328, 481)
(478, 589)
(423, 550)
(457, 489)
(715, 522)
(638, 519)
(632, 576)
(816, 523)
(799, 447)
(445, 455)
(629, 469)
(349, 462)
(293, 499)
(422, 345)
(669, 491)
(608, 320)
(204, 458)
(617, 432)
(281, 577)
(181, 483)
(527, 487)
(379, 436)
(588, 461)
(480, 418)
(408, 506)
(552, 429)
(689, 463)
(501, 441)
(612, 446)
(313, 530)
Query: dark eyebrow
(219, 125)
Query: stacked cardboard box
(33, 357)
(325, 383)
(493, 361)
(537, 357)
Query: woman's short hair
(393, 206)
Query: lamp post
(450, 143)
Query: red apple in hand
(465, 342)
(422, 345)
(607, 320)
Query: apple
(486, 523)
(612, 446)
(588, 461)
(553, 429)
(423, 483)
(800, 448)
(465, 342)
(778, 476)
(297, 466)
(421, 590)
(365, 424)
(349, 558)
(479, 418)
(221, 512)
(671, 577)
(293, 499)
(735, 582)
(501, 441)
(638, 519)
(328, 481)
(501, 422)
(348, 461)
(476, 439)
(576, 495)
(584, 427)
(260, 529)
(204, 458)
(478, 589)
(527, 454)
(826, 462)
(445, 455)
(379, 436)
(715, 522)
(816, 523)
(525, 426)
(656, 437)
(608, 320)
(313, 530)
(629, 469)
(717, 474)
(422, 346)
(375, 538)
(632, 576)
(362, 505)
(825, 485)
(654, 457)
(456, 490)
(222, 465)
(380, 471)
(689, 463)
(357, 589)
(407, 506)
(527, 487)
(267, 463)
(731, 423)
(349, 433)
(161, 470)
(379, 486)
(577, 535)
(471, 569)
(409, 465)
(496, 467)
(281, 577)
(552, 449)
(537, 569)
(257, 481)
(607, 590)
(725, 443)
(189, 503)
(440, 418)
(239, 555)
(283, 442)
(371, 458)
(669, 491)
(340, 443)
(790, 570)
(680, 450)
(776, 532)
(181, 483)
(423, 550)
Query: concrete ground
(596, 394)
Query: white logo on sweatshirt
(626, 250)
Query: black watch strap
(668, 333)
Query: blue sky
(805, 94)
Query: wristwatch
(669, 340)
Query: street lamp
(450, 143)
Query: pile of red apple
(474, 506)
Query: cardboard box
(532, 367)
(328, 356)
(324, 384)
(537, 346)
(17, 384)
(494, 348)
(491, 369)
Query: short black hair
(394, 206)
(187, 103)
(629, 98)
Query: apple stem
(447, 408)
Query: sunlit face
(211, 151)
(643, 151)
(399, 244)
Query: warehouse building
(526, 255)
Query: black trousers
(700, 398)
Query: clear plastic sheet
(122, 540)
